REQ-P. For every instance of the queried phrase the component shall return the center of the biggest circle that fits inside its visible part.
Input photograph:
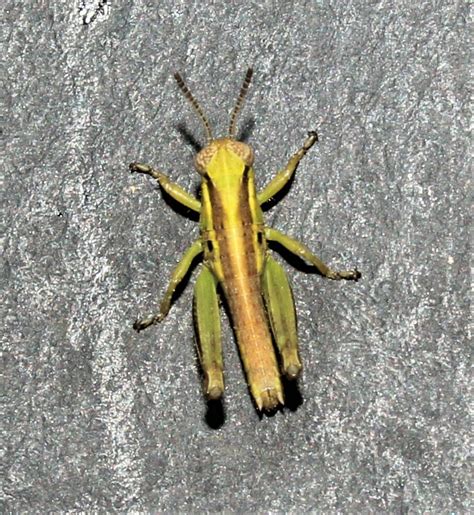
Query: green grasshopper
(233, 242)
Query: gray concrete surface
(97, 417)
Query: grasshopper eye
(242, 150)
(203, 158)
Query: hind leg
(281, 311)
(208, 332)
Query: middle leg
(303, 252)
(178, 275)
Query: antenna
(240, 101)
(195, 104)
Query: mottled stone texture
(97, 417)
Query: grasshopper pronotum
(233, 243)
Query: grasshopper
(233, 243)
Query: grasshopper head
(220, 145)
(204, 157)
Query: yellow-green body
(233, 243)
(235, 249)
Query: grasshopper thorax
(204, 157)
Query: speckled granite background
(97, 417)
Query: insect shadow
(246, 130)
(189, 138)
(293, 260)
(177, 207)
(293, 397)
(244, 134)
(215, 414)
